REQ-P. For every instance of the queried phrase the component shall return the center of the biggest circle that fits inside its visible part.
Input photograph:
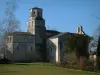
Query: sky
(61, 15)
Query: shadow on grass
(22, 64)
(8, 72)
(36, 63)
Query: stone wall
(52, 50)
(22, 47)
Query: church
(37, 44)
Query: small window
(34, 12)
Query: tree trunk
(81, 62)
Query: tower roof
(36, 8)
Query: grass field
(38, 69)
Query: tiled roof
(60, 34)
(20, 33)
(53, 31)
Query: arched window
(34, 12)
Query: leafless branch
(95, 17)
(10, 23)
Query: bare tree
(94, 42)
(10, 23)
(97, 17)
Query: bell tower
(36, 26)
(79, 29)
(35, 20)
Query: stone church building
(37, 44)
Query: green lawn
(38, 69)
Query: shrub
(4, 61)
